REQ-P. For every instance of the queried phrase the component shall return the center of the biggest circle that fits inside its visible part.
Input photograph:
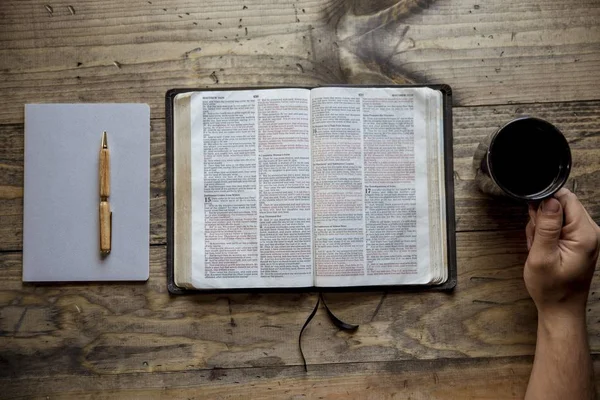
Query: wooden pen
(105, 213)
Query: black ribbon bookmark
(335, 320)
(310, 317)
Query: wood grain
(138, 328)
(442, 379)
(11, 187)
(580, 122)
(536, 50)
(105, 228)
(104, 172)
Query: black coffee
(529, 157)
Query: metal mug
(526, 159)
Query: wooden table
(503, 59)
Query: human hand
(562, 258)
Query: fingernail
(550, 206)
(528, 242)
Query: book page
(251, 200)
(182, 192)
(370, 189)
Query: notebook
(61, 193)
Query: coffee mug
(526, 159)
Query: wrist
(567, 307)
(560, 322)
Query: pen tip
(104, 140)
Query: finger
(594, 224)
(579, 228)
(547, 228)
(529, 233)
(566, 194)
(575, 213)
(532, 213)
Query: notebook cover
(61, 193)
(449, 285)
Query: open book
(324, 187)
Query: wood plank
(580, 121)
(11, 187)
(529, 51)
(441, 379)
(436, 379)
(122, 328)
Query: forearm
(562, 368)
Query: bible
(331, 187)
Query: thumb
(548, 226)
